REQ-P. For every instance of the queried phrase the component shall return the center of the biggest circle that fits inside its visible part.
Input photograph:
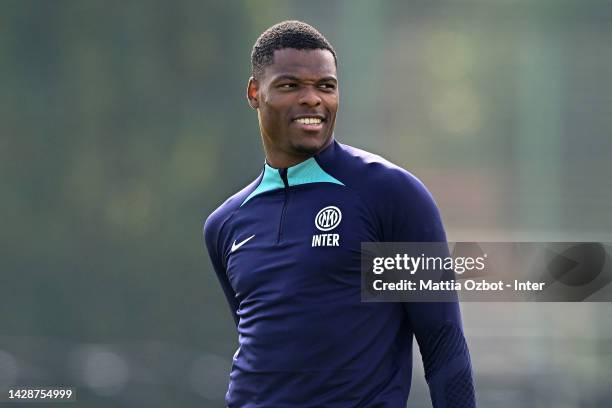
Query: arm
(436, 325)
(212, 231)
(446, 359)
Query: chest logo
(235, 245)
(327, 219)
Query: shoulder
(403, 207)
(375, 177)
(219, 217)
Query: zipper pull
(283, 174)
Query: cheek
(332, 103)
(270, 117)
(274, 109)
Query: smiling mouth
(309, 120)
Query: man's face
(297, 100)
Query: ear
(253, 93)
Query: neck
(281, 160)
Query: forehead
(317, 63)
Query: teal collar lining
(305, 172)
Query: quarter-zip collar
(305, 172)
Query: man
(286, 250)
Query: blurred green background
(124, 124)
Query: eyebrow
(294, 78)
(328, 78)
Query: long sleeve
(212, 232)
(436, 325)
(448, 370)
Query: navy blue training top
(286, 250)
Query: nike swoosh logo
(235, 246)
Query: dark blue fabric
(305, 338)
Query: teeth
(309, 121)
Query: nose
(309, 97)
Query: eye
(327, 86)
(287, 85)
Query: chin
(309, 147)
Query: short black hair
(286, 34)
